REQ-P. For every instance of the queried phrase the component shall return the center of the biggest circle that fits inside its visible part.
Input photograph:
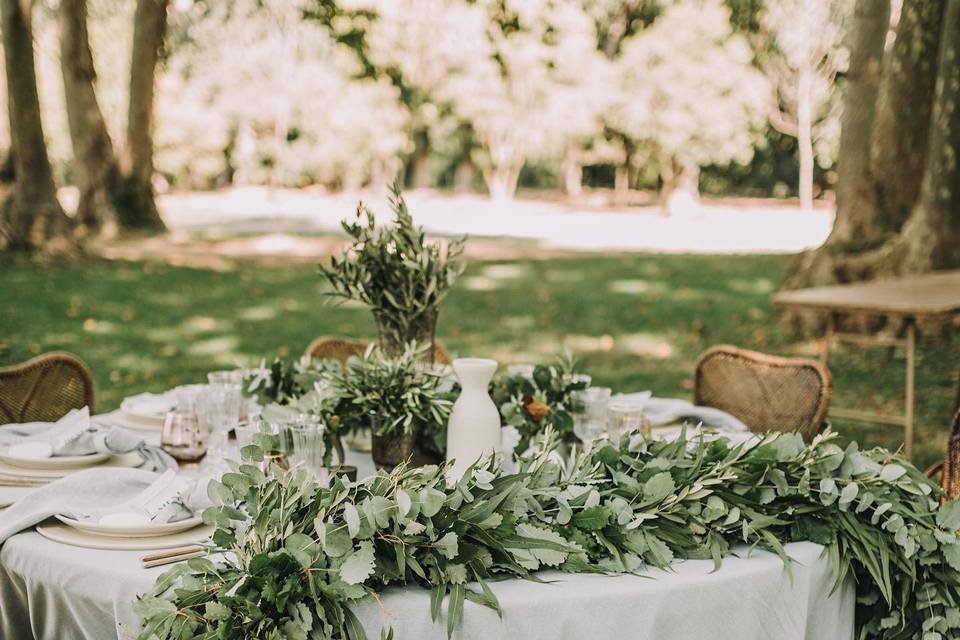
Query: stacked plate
(117, 536)
(145, 411)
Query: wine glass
(590, 417)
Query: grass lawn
(636, 322)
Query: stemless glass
(590, 420)
(305, 444)
(183, 436)
(625, 417)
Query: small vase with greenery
(397, 273)
(395, 396)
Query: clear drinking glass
(590, 416)
(305, 444)
(218, 406)
(625, 417)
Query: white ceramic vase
(474, 427)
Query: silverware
(21, 482)
(170, 556)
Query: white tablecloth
(56, 592)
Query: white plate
(128, 460)
(128, 531)
(54, 463)
(149, 431)
(148, 408)
(59, 532)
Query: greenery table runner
(299, 553)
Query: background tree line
(470, 94)
(728, 95)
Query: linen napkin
(661, 411)
(94, 494)
(75, 435)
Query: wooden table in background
(931, 296)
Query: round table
(50, 590)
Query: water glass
(305, 444)
(590, 415)
(183, 435)
(625, 417)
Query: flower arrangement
(397, 273)
(298, 553)
(396, 396)
(532, 402)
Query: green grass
(636, 322)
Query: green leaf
(436, 600)
(455, 608)
(848, 495)
(948, 515)
(447, 545)
(358, 566)
(592, 518)
(658, 487)
(891, 472)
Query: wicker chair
(45, 388)
(342, 348)
(767, 393)
(949, 469)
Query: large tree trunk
(94, 160)
(931, 236)
(136, 206)
(902, 129)
(855, 211)
(32, 218)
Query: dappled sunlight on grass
(258, 313)
(645, 344)
(150, 326)
(637, 287)
(480, 283)
(760, 286)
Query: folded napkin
(109, 496)
(661, 411)
(75, 435)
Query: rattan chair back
(329, 347)
(950, 478)
(45, 388)
(767, 393)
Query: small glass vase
(390, 449)
(393, 338)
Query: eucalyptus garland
(299, 553)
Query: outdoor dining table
(912, 299)
(50, 590)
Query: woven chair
(949, 469)
(45, 388)
(328, 347)
(767, 393)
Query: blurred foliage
(467, 93)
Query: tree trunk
(502, 181)
(572, 171)
(902, 129)
(931, 236)
(464, 175)
(930, 239)
(32, 218)
(419, 162)
(95, 163)
(805, 135)
(136, 206)
(855, 212)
